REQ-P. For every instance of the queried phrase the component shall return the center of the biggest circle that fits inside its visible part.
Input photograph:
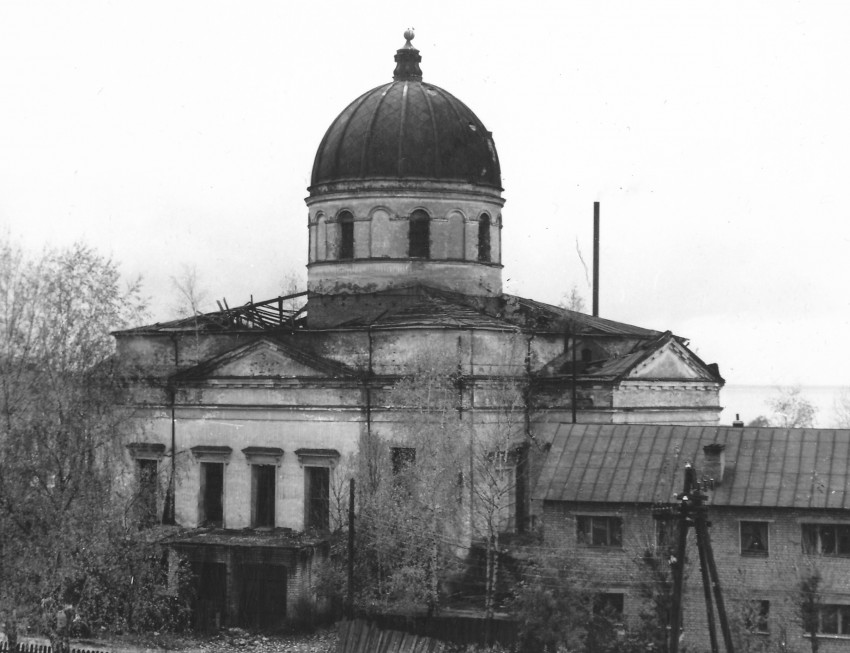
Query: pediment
(265, 359)
(671, 360)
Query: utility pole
(349, 603)
(690, 512)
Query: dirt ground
(233, 639)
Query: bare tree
(191, 296)
(789, 409)
(842, 409)
(573, 301)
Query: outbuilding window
(346, 235)
(757, 617)
(826, 539)
(754, 538)
(834, 619)
(599, 530)
(420, 235)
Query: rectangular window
(834, 620)
(609, 605)
(212, 494)
(262, 495)
(665, 534)
(402, 458)
(317, 497)
(599, 530)
(148, 482)
(754, 538)
(826, 539)
(757, 616)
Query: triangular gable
(265, 358)
(670, 359)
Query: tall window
(212, 494)
(147, 478)
(826, 539)
(317, 508)
(599, 530)
(262, 495)
(419, 235)
(754, 538)
(484, 238)
(346, 235)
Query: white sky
(715, 136)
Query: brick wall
(744, 578)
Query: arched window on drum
(419, 239)
(346, 235)
(484, 238)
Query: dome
(407, 129)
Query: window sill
(755, 554)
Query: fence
(457, 629)
(359, 636)
(39, 647)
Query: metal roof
(765, 467)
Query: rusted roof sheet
(765, 467)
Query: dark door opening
(263, 595)
(209, 609)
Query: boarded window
(599, 530)
(212, 494)
(826, 539)
(484, 238)
(262, 495)
(420, 235)
(754, 538)
(346, 235)
(147, 490)
(317, 497)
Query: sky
(181, 135)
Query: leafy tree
(65, 531)
(550, 607)
(411, 486)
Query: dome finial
(407, 61)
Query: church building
(248, 416)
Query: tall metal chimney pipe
(596, 259)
